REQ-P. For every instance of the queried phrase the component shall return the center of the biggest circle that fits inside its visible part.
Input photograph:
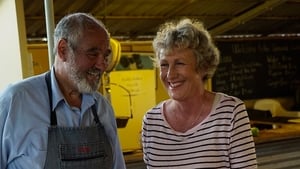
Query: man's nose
(101, 62)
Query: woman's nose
(171, 72)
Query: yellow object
(275, 108)
(132, 93)
(255, 131)
(115, 55)
(39, 54)
(294, 120)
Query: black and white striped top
(221, 141)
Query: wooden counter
(282, 131)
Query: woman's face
(178, 74)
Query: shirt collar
(87, 99)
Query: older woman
(195, 128)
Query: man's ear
(62, 49)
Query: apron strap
(96, 118)
(53, 114)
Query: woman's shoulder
(156, 111)
(228, 98)
(158, 106)
(226, 102)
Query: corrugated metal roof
(133, 19)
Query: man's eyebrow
(94, 49)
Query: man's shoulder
(31, 84)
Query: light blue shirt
(25, 118)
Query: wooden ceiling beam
(246, 16)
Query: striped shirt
(221, 141)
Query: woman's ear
(62, 49)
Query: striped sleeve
(242, 147)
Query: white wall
(15, 63)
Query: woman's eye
(180, 63)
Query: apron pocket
(81, 151)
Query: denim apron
(77, 147)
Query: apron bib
(77, 147)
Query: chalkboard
(258, 69)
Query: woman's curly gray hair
(187, 33)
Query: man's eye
(92, 54)
(163, 65)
